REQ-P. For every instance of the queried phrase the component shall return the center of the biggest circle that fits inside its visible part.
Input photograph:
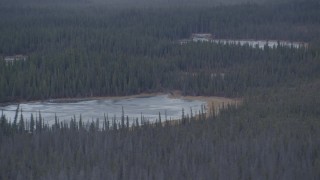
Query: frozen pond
(147, 106)
(262, 43)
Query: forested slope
(273, 135)
(85, 50)
(99, 51)
(133, 3)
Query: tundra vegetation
(93, 48)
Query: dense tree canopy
(98, 51)
(84, 49)
(273, 135)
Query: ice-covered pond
(262, 43)
(146, 106)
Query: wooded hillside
(97, 51)
(82, 50)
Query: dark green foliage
(88, 50)
(131, 3)
(276, 139)
(97, 51)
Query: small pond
(146, 106)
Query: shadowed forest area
(100, 51)
(274, 135)
(93, 48)
(134, 4)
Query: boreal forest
(96, 48)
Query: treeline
(195, 69)
(77, 51)
(129, 3)
(31, 29)
(97, 51)
(273, 135)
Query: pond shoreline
(79, 99)
(212, 101)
